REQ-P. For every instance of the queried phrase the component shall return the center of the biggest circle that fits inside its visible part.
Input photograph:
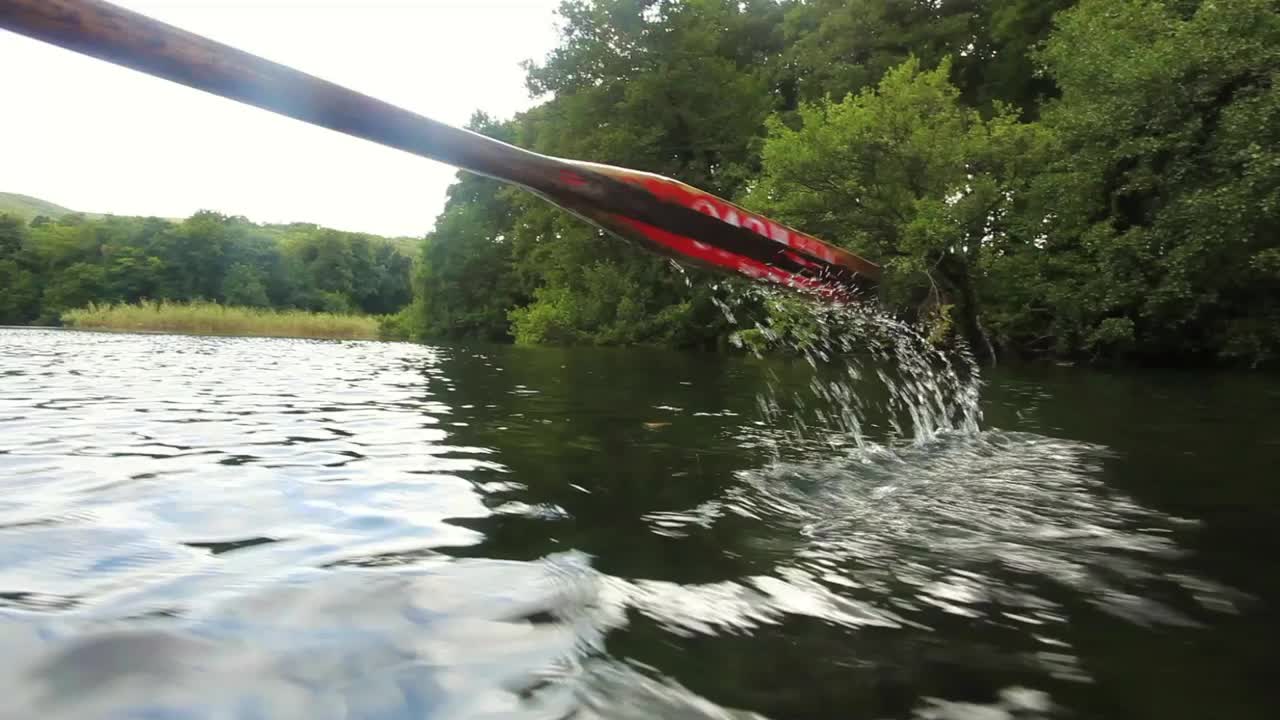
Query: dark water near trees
(214, 527)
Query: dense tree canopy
(50, 266)
(907, 174)
(1162, 210)
(1094, 178)
(838, 47)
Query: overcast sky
(100, 138)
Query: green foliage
(20, 296)
(401, 325)
(838, 47)
(606, 307)
(467, 281)
(1113, 335)
(907, 174)
(243, 285)
(792, 327)
(19, 293)
(674, 87)
(1163, 208)
(12, 235)
(51, 266)
(1094, 178)
(74, 286)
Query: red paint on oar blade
(703, 254)
(802, 261)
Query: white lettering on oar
(732, 216)
(705, 206)
(780, 234)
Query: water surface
(256, 528)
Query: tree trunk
(969, 326)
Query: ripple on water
(469, 638)
(996, 530)
(183, 523)
(212, 527)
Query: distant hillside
(27, 207)
(408, 245)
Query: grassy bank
(206, 318)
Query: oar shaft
(126, 38)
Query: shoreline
(212, 319)
(186, 333)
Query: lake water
(257, 528)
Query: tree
(1163, 209)
(130, 274)
(12, 235)
(839, 47)
(18, 292)
(73, 287)
(390, 286)
(52, 266)
(906, 174)
(244, 286)
(19, 295)
(467, 281)
(194, 254)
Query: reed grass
(208, 318)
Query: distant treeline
(49, 266)
(1091, 179)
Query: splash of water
(923, 391)
(902, 506)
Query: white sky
(96, 137)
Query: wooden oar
(663, 215)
